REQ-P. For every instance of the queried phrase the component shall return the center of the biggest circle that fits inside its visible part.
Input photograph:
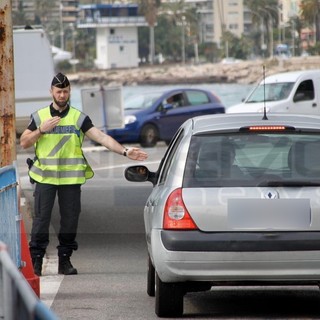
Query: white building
(117, 33)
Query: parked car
(155, 116)
(235, 201)
(293, 92)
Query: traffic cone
(27, 268)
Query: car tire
(151, 280)
(149, 136)
(169, 299)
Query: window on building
(233, 26)
(233, 3)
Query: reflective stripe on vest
(59, 157)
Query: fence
(17, 300)
(9, 213)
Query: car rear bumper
(240, 241)
(228, 264)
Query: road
(112, 258)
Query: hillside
(246, 72)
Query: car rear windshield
(253, 159)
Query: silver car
(236, 200)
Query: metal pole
(61, 28)
(152, 49)
(7, 104)
(183, 40)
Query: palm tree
(19, 16)
(267, 10)
(185, 18)
(43, 9)
(310, 12)
(149, 9)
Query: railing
(114, 21)
(17, 300)
(9, 213)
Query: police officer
(60, 168)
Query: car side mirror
(167, 106)
(139, 174)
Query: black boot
(65, 266)
(37, 265)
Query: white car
(293, 92)
(235, 200)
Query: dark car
(155, 116)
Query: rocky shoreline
(243, 72)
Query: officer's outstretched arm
(104, 139)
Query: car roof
(219, 122)
(291, 76)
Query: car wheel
(169, 299)
(151, 281)
(149, 136)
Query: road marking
(50, 281)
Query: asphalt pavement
(112, 259)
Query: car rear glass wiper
(288, 183)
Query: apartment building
(51, 11)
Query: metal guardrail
(17, 300)
(9, 212)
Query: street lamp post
(61, 28)
(183, 40)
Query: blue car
(156, 116)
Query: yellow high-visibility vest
(59, 158)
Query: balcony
(96, 22)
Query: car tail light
(176, 215)
(266, 128)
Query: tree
(267, 9)
(149, 9)
(19, 16)
(310, 12)
(43, 9)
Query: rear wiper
(288, 183)
(300, 183)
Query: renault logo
(271, 194)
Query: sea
(229, 93)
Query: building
(66, 9)
(227, 16)
(116, 33)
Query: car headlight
(129, 119)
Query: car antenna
(264, 94)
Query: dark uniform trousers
(69, 200)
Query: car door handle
(314, 105)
